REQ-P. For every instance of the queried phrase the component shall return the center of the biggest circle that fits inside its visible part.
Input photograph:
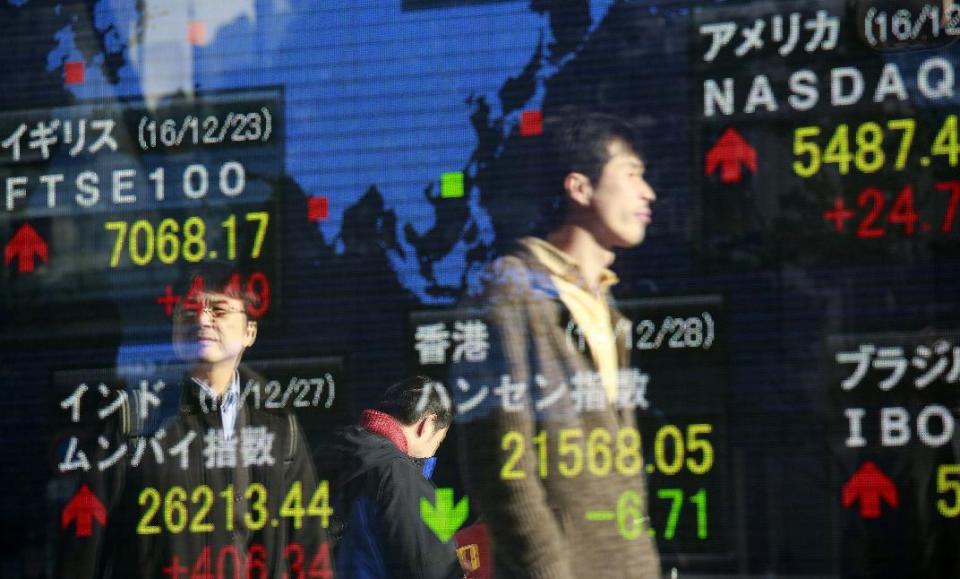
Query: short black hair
(411, 399)
(575, 141)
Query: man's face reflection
(213, 329)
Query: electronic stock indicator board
(120, 201)
(805, 154)
(827, 132)
(827, 137)
(677, 383)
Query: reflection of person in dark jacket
(207, 490)
(385, 466)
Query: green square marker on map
(451, 185)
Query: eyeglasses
(192, 311)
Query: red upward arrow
(869, 484)
(84, 507)
(728, 153)
(25, 245)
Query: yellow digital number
(660, 452)
(293, 505)
(599, 454)
(204, 496)
(869, 144)
(230, 224)
(945, 142)
(869, 156)
(227, 495)
(838, 150)
(262, 218)
(510, 470)
(136, 256)
(121, 228)
(194, 243)
(574, 450)
(259, 505)
(947, 485)
(540, 441)
(168, 242)
(152, 496)
(909, 127)
(175, 510)
(629, 461)
(695, 444)
(320, 504)
(802, 146)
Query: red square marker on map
(318, 209)
(531, 123)
(197, 33)
(73, 72)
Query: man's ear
(251, 334)
(422, 424)
(578, 188)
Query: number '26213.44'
(174, 508)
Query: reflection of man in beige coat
(556, 437)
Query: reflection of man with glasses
(221, 487)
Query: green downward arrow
(444, 519)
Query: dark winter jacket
(379, 491)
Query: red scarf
(386, 426)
